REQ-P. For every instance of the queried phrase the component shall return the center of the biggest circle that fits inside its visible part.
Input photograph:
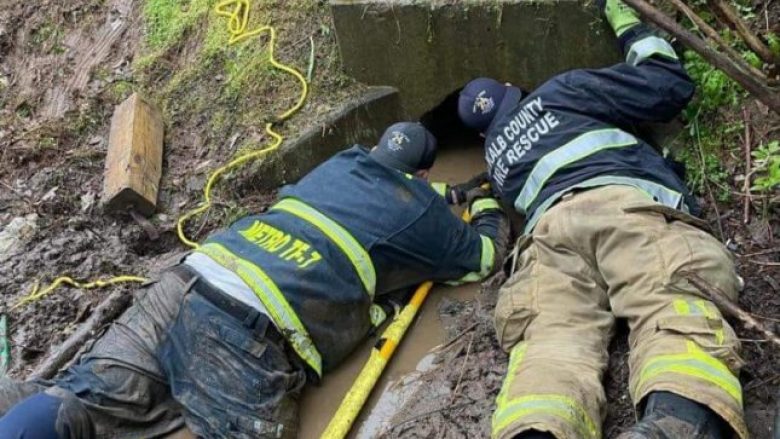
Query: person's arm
(489, 221)
(650, 86)
(457, 194)
(459, 251)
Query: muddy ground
(63, 67)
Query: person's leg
(33, 418)
(232, 380)
(43, 416)
(679, 341)
(117, 387)
(552, 315)
(119, 379)
(12, 392)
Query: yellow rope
(237, 11)
(36, 294)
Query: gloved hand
(458, 194)
(619, 15)
(487, 217)
(481, 201)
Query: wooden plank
(134, 159)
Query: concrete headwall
(362, 120)
(429, 48)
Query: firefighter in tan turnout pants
(609, 234)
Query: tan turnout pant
(597, 255)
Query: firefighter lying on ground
(225, 341)
(608, 234)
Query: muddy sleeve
(476, 249)
(650, 86)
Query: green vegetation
(715, 122)
(708, 133)
(767, 167)
(189, 66)
(167, 20)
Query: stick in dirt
(753, 85)
(714, 36)
(727, 13)
(105, 313)
(725, 304)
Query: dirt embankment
(63, 68)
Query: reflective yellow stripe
(647, 47)
(440, 188)
(487, 260)
(340, 236)
(657, 192)
(709, 310)
(695, 363)
(700, 307)
(482, 205)
(681, 307)
(577, 149)
(377, 314)
(509, 411)
(515, 358)
(273, 300)
(560, 406)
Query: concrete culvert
(427, 48)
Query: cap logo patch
(397, 140)
(483, 104)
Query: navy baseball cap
(406, 146)
(479, 102)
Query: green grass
(188, 66)
(167, 20)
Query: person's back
(376, 230)
(608, 235)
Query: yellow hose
(364, 384)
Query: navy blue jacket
(575, 130)
(405, 227)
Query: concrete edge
(359, 121)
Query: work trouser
(596, 255)
(173, 358)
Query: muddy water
(454, 164)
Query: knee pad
(32, 418)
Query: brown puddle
(454, 164)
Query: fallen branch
(106, 312)
(726, 305)
(727, 13)
(462, 370)
(715, 36)
(427, 414)
(746, 184)
(456, 338)
(749, 82)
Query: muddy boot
(669, 416)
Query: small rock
(87, 201)
(50, 194)
(15, 234)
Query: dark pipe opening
(444, 123)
